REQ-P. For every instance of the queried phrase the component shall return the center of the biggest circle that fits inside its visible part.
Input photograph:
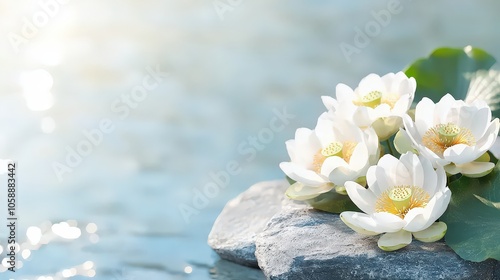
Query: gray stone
(233, 233)
(307, 244)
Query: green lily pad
(473, 224)
(450, 70)
(333, 202)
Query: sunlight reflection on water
(36, 89)
(47, 233)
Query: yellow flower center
(401, 199)
(375, 98)
(372, 99)
(334, 149)
(443, 136)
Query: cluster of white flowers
(401, 197)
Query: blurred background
(118, 112)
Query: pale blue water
(226, 76)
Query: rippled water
(115, 212)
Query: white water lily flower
(325, 158)
(379, 102)
(403, 197)
(454, 134)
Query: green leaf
(473, 226)
(333, 202)
(448, 70)
(290, 180)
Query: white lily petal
(372, 143)
(421, 218)
(300, 174)
(415, 169)
(372, 82)
(376, 180)
(437, 205)
(475, 169)
(416, 219)
(360, 220)
(363, 198)
(388, 222)
(460, 153)
(432, 178)
(474, 119)
(402, 105)
(363, 116)
(391, 84)
(388, 162)
(451, 169)
(424, 119)
(394, 241)
(306, 145)
(346, 131)
(338, 171)
(441, 179)
(435, 159)
(359, 158)
(346, 217)
(403, 143)
(329, 102)
(299, 191)
(344, 93)
(324, 131)
(399, 174)
(412, 132)
(489, 138)
(442, 109)
(431, 234)
(387, 126)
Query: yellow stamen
(343, 150)
(401, 199)
(390, 99)
(318, 160)
(348, 150)
(443, 136)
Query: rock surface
(307, 244)
(233, 233)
